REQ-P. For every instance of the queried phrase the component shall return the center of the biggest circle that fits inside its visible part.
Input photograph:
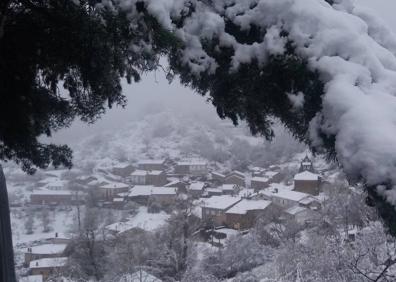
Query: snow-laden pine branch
(353, 52)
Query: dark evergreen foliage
(44, 44)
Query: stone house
(152, 164)
(123, 171)
(209, 192)
(196, 189)
(111, 190)
(214, 208)
(52, 197)
(235, 177)
(144, 194)
(151, 177)
(196, 168)
(230, 189)
(47, 266)
(307, 182)
(43, 251)
(299, 214)
(259, 183)
(244, 214)
(156, 178)
(218, 177)
(273, 176)
(179, 184)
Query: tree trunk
(7, 271)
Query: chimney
(275, 190)
(56, 234)
(36, 263)
(29, 250)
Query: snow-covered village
(209, 204)
(197, 141)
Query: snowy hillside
(167, 134)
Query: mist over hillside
(166, 133)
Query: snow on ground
(61, 221)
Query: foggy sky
(154, 90)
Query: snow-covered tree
(46, 220)
(29, 222)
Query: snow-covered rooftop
(114, 185)
(51, 192)
(295, 210)
(139, 276)
(215, 190)
(220, 202)
(143, 220)
(217, 174)
(48, 262)
(53, 182)
(47, 249)
(270, 174)
(246, 205)
(173, 183)
(139, 172)
(236, 173)
(154, 172)
(227, 187)
(306, 175)
(260, 179)
(31, 278)
(147, 190)
(189, 163)
(197, 186)
(149, 162)
(284, 193)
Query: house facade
(52, 197)
(244, 214)
(259, 183)
(156, 178)
(151, 177)
(235, 177)
(218, 177)
(196, 189)
(109, 191)
(152, 164)
(179, 184)
(307, 182)
(144, 194)
(230, 189)
(43, 251)
(191, 167)
(214, 208)
(47, 266)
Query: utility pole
(7, 270)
